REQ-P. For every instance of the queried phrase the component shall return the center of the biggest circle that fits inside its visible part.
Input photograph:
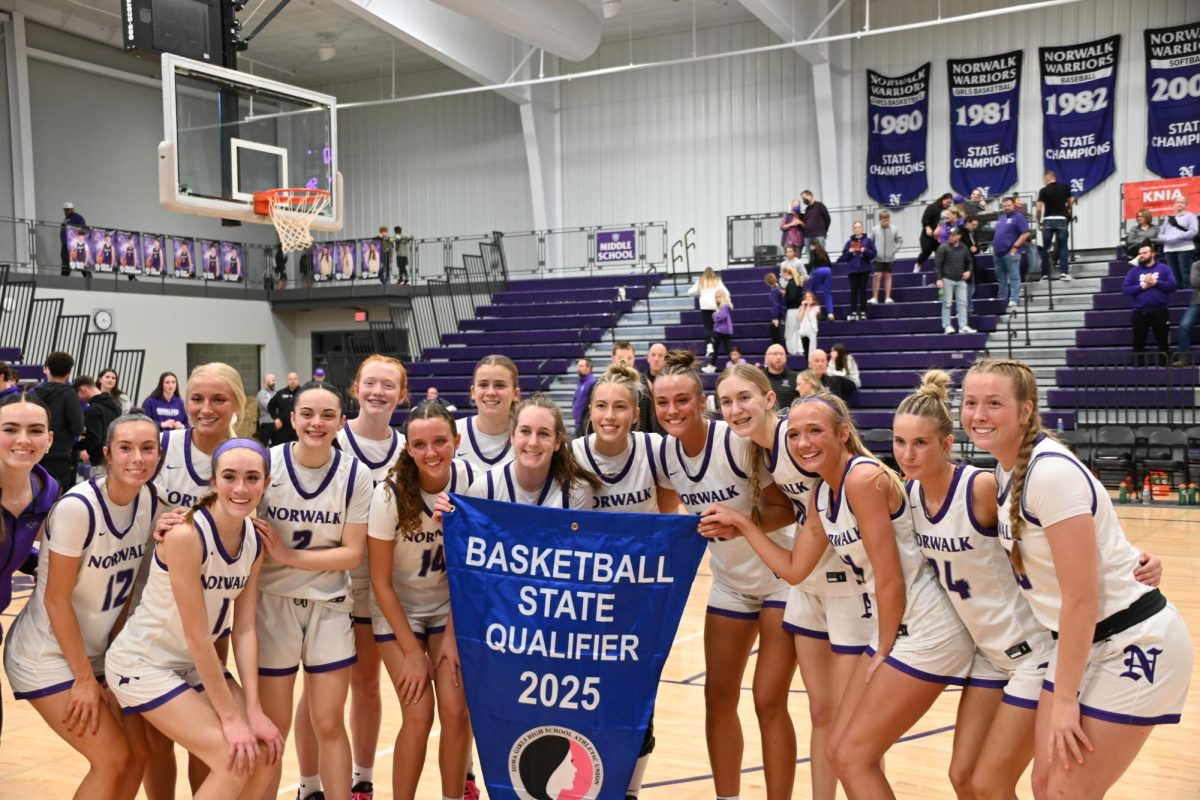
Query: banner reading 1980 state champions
(897, 109)
(1173, 100)
(985, 97)
(1078, 95)
(563, 621)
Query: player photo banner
(128, 255)
(985, 96)
(564, 620)
(1173, 100)
(153, 256)
(896, 112)
(104, 250)
(79, 249)
(231, 262)
(1078, 94)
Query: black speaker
(189, 28)
(766, 254)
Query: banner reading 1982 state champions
(1173, 100)
(563, 621)
(896, 112)
(985, 97)
(1078, 94)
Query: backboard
(228, 134)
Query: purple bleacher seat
(566, 296)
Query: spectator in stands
(722, 330)
(1012, 232)
(107, 381)
(1054, 207)
(950, 221)
(66, 417)
(318, 374)
(622, 353)
(10, 380)
(1032, 253)
(266, 425)
(816, 219)
(164, 405)
(818, 364)
(280, 407)
(930, 220)
(656, 359)
(1178, 233)
(844, 366)
(808, 384)
(386, 246)
(73, 219)
(821, 278)
(583, 395)
(281, 261)
(792, 226)
(887, 241)
(1143, 229)
(1190, 317)
(403, 245)
(791, 258)
(976, 203)
(706, 288)
(783, 380)
(736, 357)
(858, 254)
(972, 237)
(1149, 283)
(952, 266)
(808, 322)
(778, 306)
(432, 396)
(793, 295)
(102, 409)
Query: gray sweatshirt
(887, 242)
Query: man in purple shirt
(583, 395)
(71, 218)
(1012, 232)
(1149, 283)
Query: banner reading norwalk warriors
(1173, 100)
(985, 104)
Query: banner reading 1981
(1173, 100)
(563, 621)
(897, 109)
(985, 97)
(1078, 94)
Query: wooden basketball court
(34, 762)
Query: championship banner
(564, 620)
(896, 112)
(1173, 100)
(1078, 93)
(985, 98)
(1159, 196)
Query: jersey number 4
(433, 559)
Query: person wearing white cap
(71, 218)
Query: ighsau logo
(553, 763)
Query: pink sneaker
(470, 790)
(363, 790)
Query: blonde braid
(1016, 521)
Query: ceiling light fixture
(610, 8)
(326, 50)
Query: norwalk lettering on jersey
(564, 565)
(180, 499)
(228, 583)
(707, 498)
(131, 553)
(843, 538)
(306, 515)
(957, 544)
(622, 499)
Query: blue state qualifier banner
(1078, 94)
(985, 98)
(897, 109)
(1173, 100)
(564, 620)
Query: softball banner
(1173, 100)
(1078, 93)
(985, 97)
(564, 620)
(897, 109)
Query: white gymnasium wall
(6, 173)
(688, 144)
(449, 166)
(1061, 25)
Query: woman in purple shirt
(164, 405)
(26, 490)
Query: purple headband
(802, 400)
(249, 444)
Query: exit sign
(360, 316)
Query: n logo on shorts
(1138, 659)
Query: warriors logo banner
(896, 112)
(985, 99)
(1173, 100)
(564, 620)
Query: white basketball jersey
(629, 481)
(309, 508)
(970, 563)
(378, 456)
(154, 633)
(501, 484)
(830, 576)
(926, 607)
(419, 559)
(483, 450)
(184, 473)
(718, 475)
(110, 553)
(1116, 559)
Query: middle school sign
(564, 620)
(616, 246)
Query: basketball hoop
(293, 212)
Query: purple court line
(805, 760)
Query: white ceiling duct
(565, 28)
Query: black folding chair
(1114, 452)
(1168, 451)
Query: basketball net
(292, 211)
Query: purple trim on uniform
(811, 634)
(156, 702)
(350, 483)
(947, 502)
(848, 649)
(712, 432)
(360, 620)
(491, 462)
(773, 453)
(1124, 719)
(1070, 460)
(662, 456)
(512, 486)
(220, 546)
(278, 672)
(49, 690)
(979, 527)
(329, 473)
(336, 665)
(587, 451)
(729, 455)
(384, 637)
(899, 511)
(199, 687)
(91, 518)
(187, 458)
(159, 561)
(491, 486)
(162, 454)
(724, 612)
(435, 630)
(108, 520)
(1019, 702)
(988, 683)
(387, 459)
(774, 604)
(470, 472)
(917, 673)
(650, 457)
(835, 504)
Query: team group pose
(326, 555)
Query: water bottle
(1183, 494)
(1146, 495)
(1059, 426)
(1122, 494)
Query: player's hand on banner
(720, 523)
(267, 734)
(1149, 569)
(243, 747)
(276, 549)
(415, 674)
(167, 521)
(84, 702)
(441, 506)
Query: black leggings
(720, 340)
(706, 316)
(858, 291)
(928, 246)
